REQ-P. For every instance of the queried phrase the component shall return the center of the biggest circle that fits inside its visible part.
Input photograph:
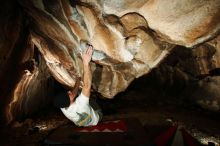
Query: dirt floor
(155, 110)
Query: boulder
(124, 49)
(44, 39)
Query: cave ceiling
(43, 39)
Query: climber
(82, 110)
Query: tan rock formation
(129, 48)
(129, 37)
(185, 22)
(120, 33)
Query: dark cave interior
(153, 74)
(156, 103)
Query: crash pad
(126, 132)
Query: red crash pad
(123, 132)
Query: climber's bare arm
(87, 75)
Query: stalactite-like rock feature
(124, 49)
(58, 60)
(32, 92)
(57, 44)
(33, 86)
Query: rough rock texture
(129, 48)
(208, 93)
(32, 87)
(185, 22)
(202, 60)
(32, 92)
(23, 74)
(130, 38)
(215, 43)
(195, 71)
